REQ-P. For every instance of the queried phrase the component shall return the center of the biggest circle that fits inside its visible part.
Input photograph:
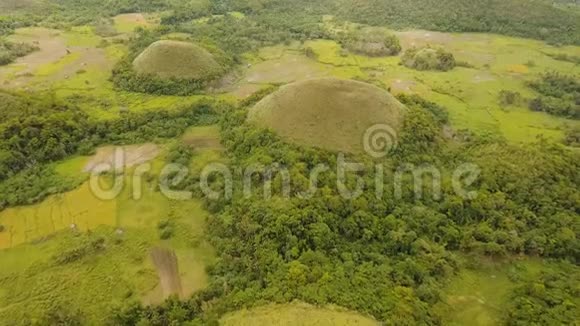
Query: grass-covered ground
(470, 94)
(296, 313)
(327, 112)
(50, 254)
(76, 65)
(478, 295)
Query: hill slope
(174, 59)
(328, 113)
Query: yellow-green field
(126, 23)
(37, 235)
(77, 66)
(296, 314)
(470, 94)
(477, 296)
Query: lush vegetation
(48, 130)
(546, 299)
(559, 95)
(565, 57)
(9, 51)
(372, 42)
(428, 58)
(533, 19)
(385, 257)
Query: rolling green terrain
(241, 84)
(328, 113)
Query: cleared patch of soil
(167, 267)
(402, 86)
(126, 23)
(90, 57)
(203, 138)
(483, 77)
(116, 157)
(420, 38)
(52, 49)
(134, 18)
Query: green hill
(174, 59)
(328, 113)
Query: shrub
(560, 95)
(372, 42)
(166, 233)
(572, 137)
(9, 51)
(509, 98)
(309, 52)
(428, 58)
(165, 228)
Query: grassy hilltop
(328, 113)
(174, 59)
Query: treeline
(385, 256)
(522, 18)
(49, 130)
(124, 77)
(9, 51)
(559, 95)
(545, 299)
(237, 36)
(428, 58)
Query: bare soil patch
(207, 137)
(402, 86)
(135, 18)
(421, 38)
(52, 48)
(167, 267)
(110, 157)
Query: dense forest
(45, 130)
(396, 254)
(534, 19)
(559, 95)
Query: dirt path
(167, 267)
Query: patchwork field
(76, 65)
(118, 269)
(470, 94)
